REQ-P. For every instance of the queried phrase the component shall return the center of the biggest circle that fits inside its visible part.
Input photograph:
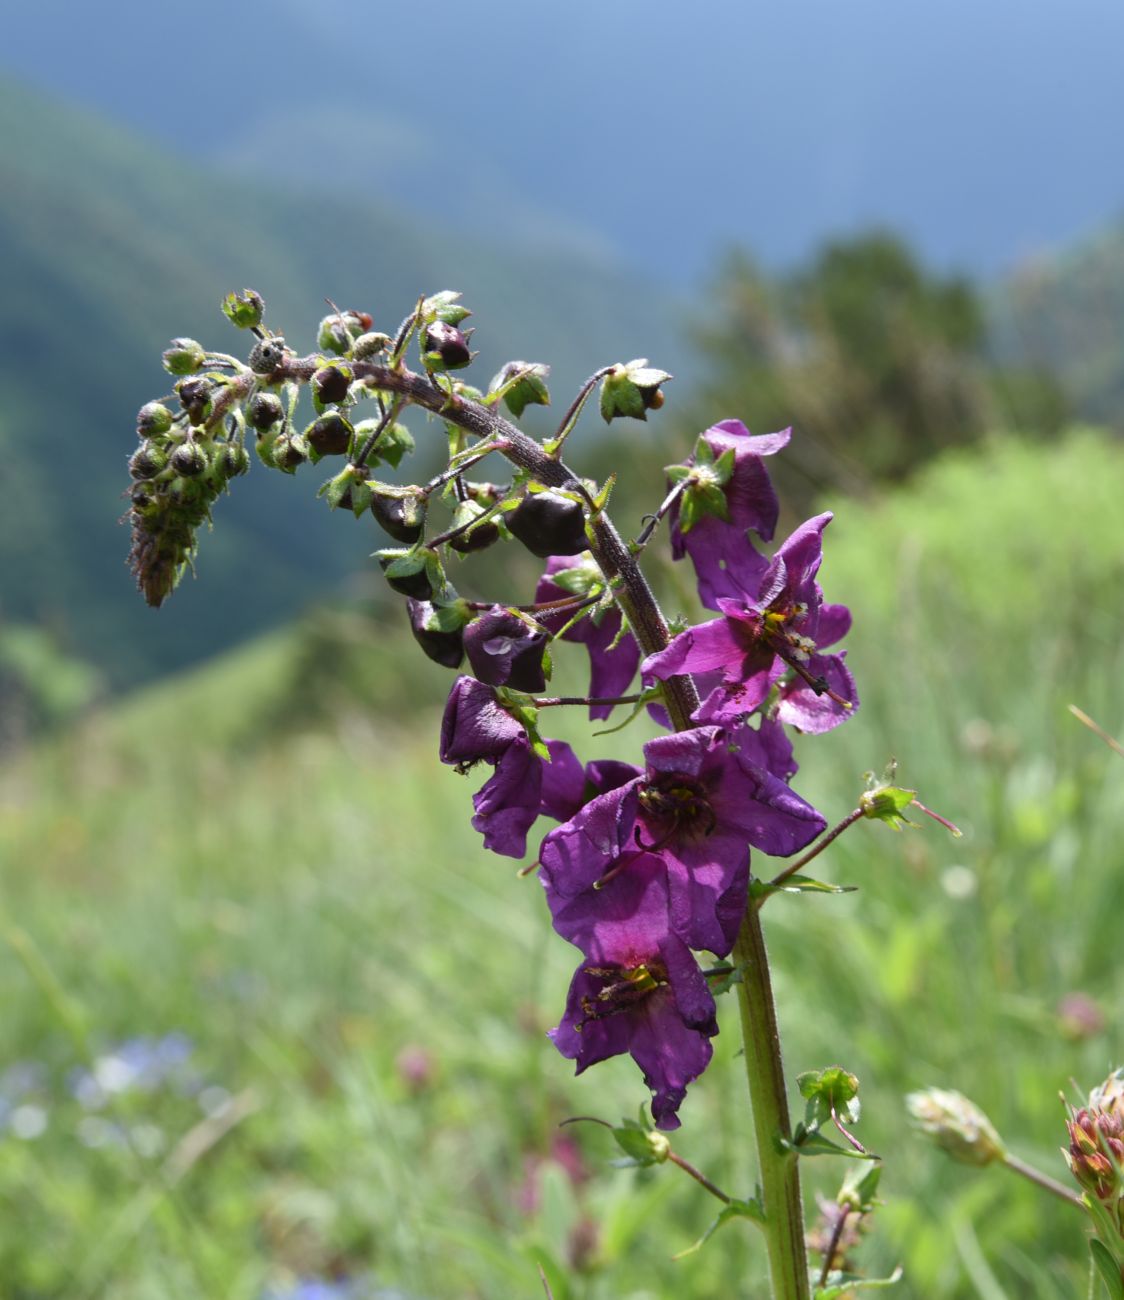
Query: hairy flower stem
(780, 1173)
(780, 1176)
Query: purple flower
(612, 666)
(758, 639)
(568, 787)
(704, 798)
(506, 649)
(638, 989)
(477, 728)
(726, 561)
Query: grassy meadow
(272, 1015)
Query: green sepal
(337, 487)
(676, 473)
(520, 384)
(448, 617)
(244, 309)
(1108, 1268)
(396, 441)
(444, 306)
(798, 884)
(723, 469)
(582, 580)
(842, 1284)
(699, 501)
(831, 1089)
(753, 1209)
(859, 1188)
(643, 1145)
(726, 981)
(631, 390)
(527, 717)
(410, 560)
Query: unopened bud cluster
(1095, 1154)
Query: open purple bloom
(506, 649)
(706, 796)
(760, 638)
(567, 786)
(726, 562)
(612, 667)
(476, 728)
(638, 989)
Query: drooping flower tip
(957, 1125)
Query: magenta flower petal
(801, 707)
(834, 624)
(508, 803)
(474, 726)
(563, 782)
(576, 855)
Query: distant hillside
(110, 247)
(1066, 313)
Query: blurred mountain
(1066, 312)
(109, 247)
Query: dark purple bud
(267, 355)
(183, 357)
(153, 419)
(444, 648)
(337, 331)
(233, 461)
(402, 517)
(445, 347)
(289, 451)
(507, 650)
(147, 461)
(188, 460)
(330, 383)
(195, 398)
(264, 410)
(407, 581)
(478, 538)
(330, 435)
(548, 523)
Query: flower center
(624, 989)
(679, 805)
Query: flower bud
(472, 539)
(233, 460)
(336, 332)
(264, 410)
(958, 1125)
(330, 435)
(153, 419)
(330, 384)
(1096, 1152)
(367, 346)
(244, 309)
(195, 398)
(523, 383)
(147, 461)
(183, 357)
(403, 517)
(445, 347)
(268, 354)
(289, 451)
(548, 523)
(632, 390)
(507, 650)
(407, 574)
(188, 460)
(444, 647)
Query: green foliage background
(307, 900)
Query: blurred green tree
(876, 362)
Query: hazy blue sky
(657, 131)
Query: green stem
(780, 1172)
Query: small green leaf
(751, 1209)
(1108, 1268)
(842, 1284)
(799, 884)
(444, 306)
(811, 1142)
